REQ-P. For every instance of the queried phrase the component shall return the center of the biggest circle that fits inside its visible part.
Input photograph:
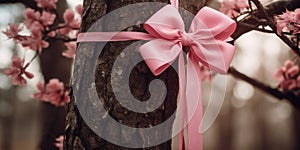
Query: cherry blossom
(41, 95)
(287, 76)
(47, 18)
(13, 32)
(233, 8)
(54, 92)
(17, 70)
(70, 22)
(71, 50)
(79, 9)
(30, 17)
(59, 142)
(54, 89)
(52, 34)
(289, 21)
(46, 4)
(35, 43)
(36, 29)
(44, 19)
(205, 73)
(37, 23)
(297, 15)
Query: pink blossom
(46, 4)
(70, 22)
(64, 99)
(41, 95)
(284, 19)
(35, 40)
(54, 88)
(17, 70)
(59, 142)
(30, 17)
(38, 22)
(288, 84)
(47, 18)
(297, 15)
(52, 34)
(79, 9)
(71, 51)
(36, 29)
(54, 92)
(288, 21)
(35, 43)
(287, 75)
(69, 15)
(233, 8)
(13, 32)
(205, 73)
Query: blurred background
(249, 119)
(20, 114)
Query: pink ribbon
(206, 42)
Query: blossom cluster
(53, 92)
(36, 22)
(17, 71)
(234, 8)
(288, 76)
(41, 26)
(289, 22)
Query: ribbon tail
(182, 100)
(175, 3)
(194, 106)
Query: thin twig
(55, 28)
(290, 96)
(255, 27)
(285, 39)
(63, 38)
(35, 55)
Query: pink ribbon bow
(206, 41)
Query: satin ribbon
(206, 45)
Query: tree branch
(64, 38)
(284, 38)
(254, 17)
(253, 27)
(252, 22)
(290, 96)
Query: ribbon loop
(205, 38)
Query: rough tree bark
(78, 134)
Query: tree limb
(285, 39)
(290, 96)
(251, 22)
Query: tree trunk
(79, 135)
(54, 65)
